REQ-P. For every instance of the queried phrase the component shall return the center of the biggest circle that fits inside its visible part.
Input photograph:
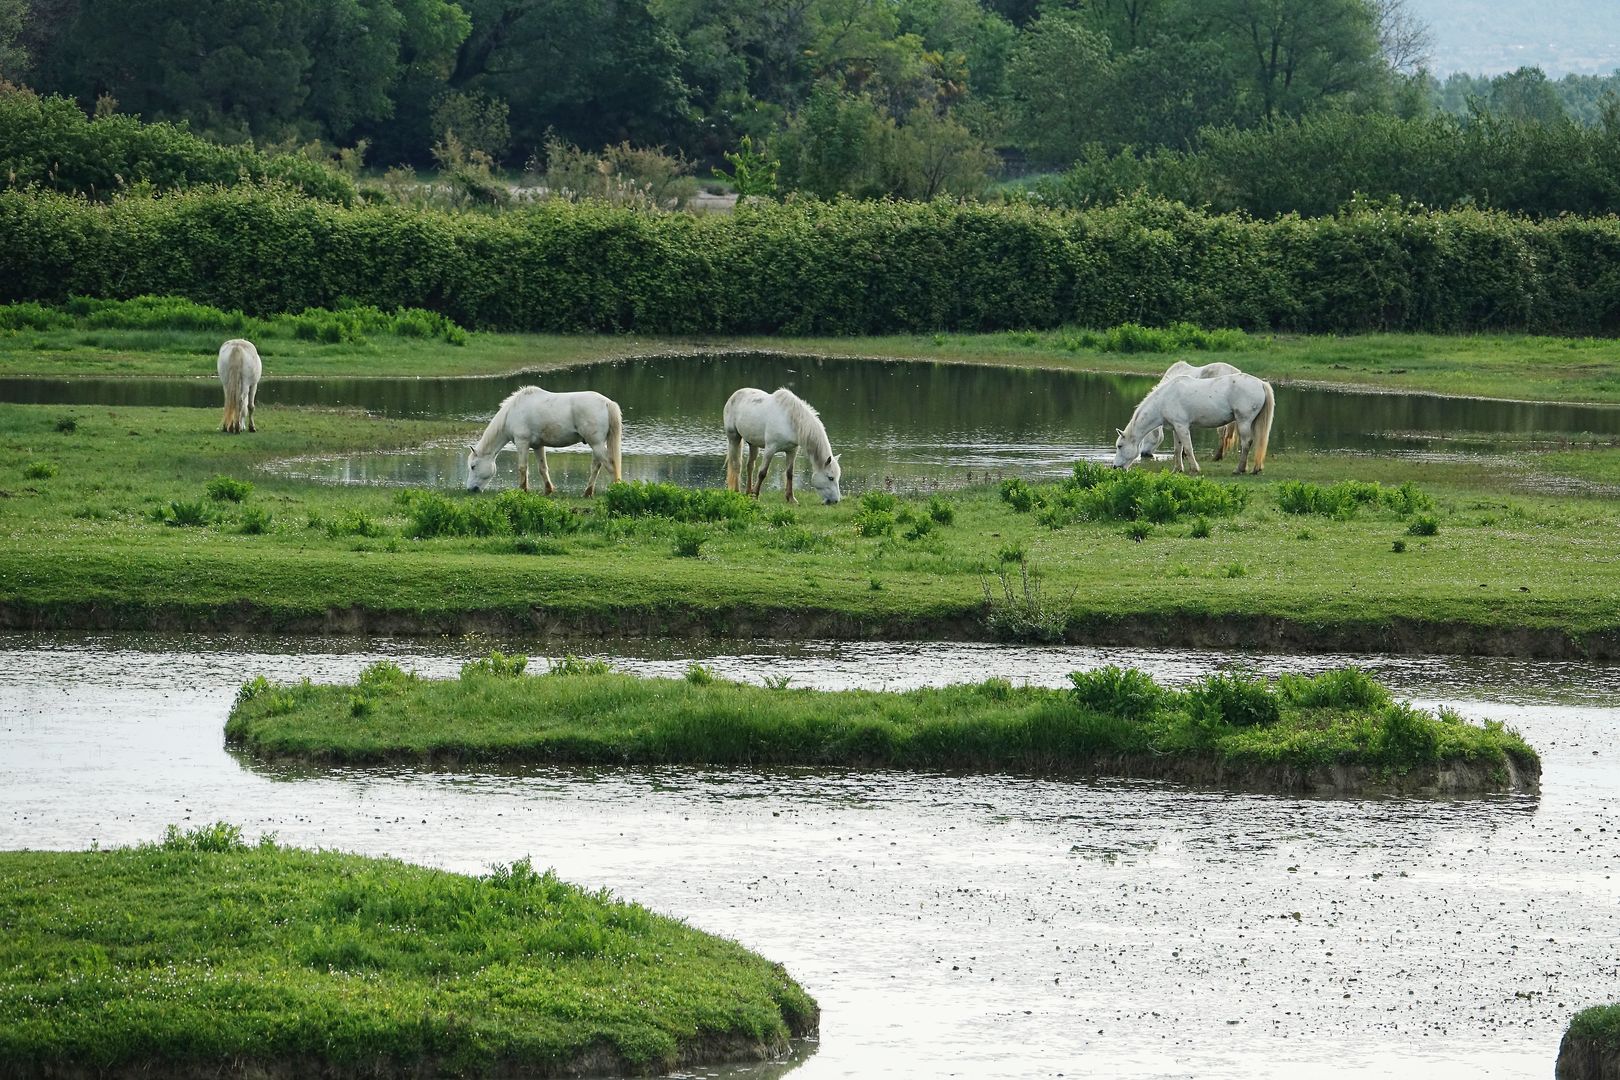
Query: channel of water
(995, 926)
(896, 422)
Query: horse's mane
(1152, 396)
(806, 425)
(497, 425)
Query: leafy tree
(595, 71)
(1292, 56)
(13, 53)
(1063, 87)
(1525, 95)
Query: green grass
(120, 530)
(203, 954)
(495, 714)
(1599, 1025)
(1513, 366)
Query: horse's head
(480, 470)
(824, 478)
(1126, 451)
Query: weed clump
(39, 470)
(1117, 691)
(228, 489)
(496, 665)
(1344, 499)
(1097, 493)
(645, 499)
(1234, 699)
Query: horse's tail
(614, 437)
(733, 452)
(233, 370)
(1262, 430)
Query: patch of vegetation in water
(205, 953)
(1341, 717)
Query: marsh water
(896, 422)
(987, 926)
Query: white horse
(239, 370)
(1228, 434)
(532, 417)
(1183, 404)
(777, 423)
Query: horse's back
(750, 412)
(239, 354)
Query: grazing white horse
(1228, 434)
(777, 423)
(1183, 404)
(532, 417)
(239, 370)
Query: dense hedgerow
(49, 142)
(813, 267)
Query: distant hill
(1492, 36)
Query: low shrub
(1098, 493)
(698, 675)
(39, 470)
(573, 665)
(1234, 699)
(689, 541)
(228, 489)
(1424, 525)
(186, 514)
(1124, 692)
(1339, 688)
(648, 499)
(1343, 499)
(874, 523)
(941, 511)
(496, 665)
(253, 521)
(354, 523)
(519, 513)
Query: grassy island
(1337, 732)
(205, 956)
(1591, 1046)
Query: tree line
(912, 98)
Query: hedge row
(835, 268)
(48, 142)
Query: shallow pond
(949, 925)
(894, 420)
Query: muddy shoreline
(1173, 630)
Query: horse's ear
(834, 458)
(1120, 432)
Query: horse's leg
(733, 460)
(523, 464)
(1223, 437)
(1184, 439)
(759, 487)
(792, 457)
(748, 473)
(253, 401)
(1245, 435)
(545, 470)
(596, 467)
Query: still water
(905, 421)
(949, 925)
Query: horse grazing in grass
(1181, 369)
(532, 417)
(239, 370)
(1183, 404)
(777, 423)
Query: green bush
(1344, 499)
(1098, 493)
(1123, 692)
(39, 470)
(520, 513)
(647, 499)
(50, 143)
(809, 267)
(1424, 525)
(1338, 688)
(253, 521)
(1234, 699)
(496, 665)
(228, 489)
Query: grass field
(203, 955)
(117, 519)
(1290, 735)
